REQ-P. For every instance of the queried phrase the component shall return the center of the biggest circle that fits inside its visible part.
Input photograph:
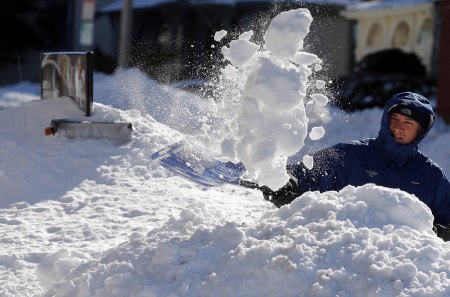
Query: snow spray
(268, 120)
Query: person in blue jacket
(392, 159)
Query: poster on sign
(68, 74)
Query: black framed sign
(68, 74)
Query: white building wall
(399, 27)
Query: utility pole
(443, 83)
(126, 20)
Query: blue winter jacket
(382, 161)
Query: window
(375, 36)
(401, 35)
(425, 33)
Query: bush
(379, 76)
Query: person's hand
(442, 231)
(284, 195)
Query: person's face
(403, 129)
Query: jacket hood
(394, 153)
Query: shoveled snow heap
(365, 241)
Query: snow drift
(364, 241)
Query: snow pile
(271, 122)
(358, 242)
(35, 167)
(15, 95)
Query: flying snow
(272, 123)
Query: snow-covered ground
(90, 217)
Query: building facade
(409, 26)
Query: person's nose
(397, 127)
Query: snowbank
(364, 241)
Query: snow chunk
(284, 37)
(229, 72)
(318, 67)
(308, 161)
(317, 133)
(54, 267)
(240, 52)
(320, 84)
(246, 35)
(219, 35)
(304, 58)
(320, 99)
(285, 85)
